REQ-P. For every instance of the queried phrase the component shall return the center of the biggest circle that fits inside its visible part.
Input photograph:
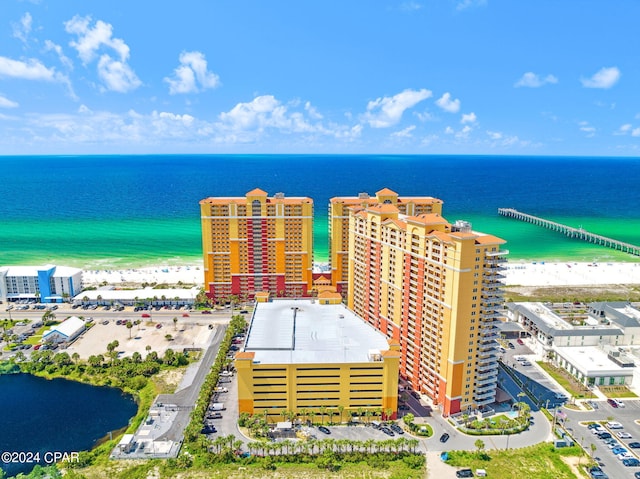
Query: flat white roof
(301, 331)
(68, 328)
(60, 271)
(141, 294)
(592, 361)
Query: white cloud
(635, 132)
(247, 121)
(624, 129)
(311, 110)
(447, 104)
(464, 4)
(6, 103)
(468, 118)
(406, 133)
(410, 6)
(116, 74)
(32, 69)
(533, 80)
(586, 128)
(494, 135)
(21, 30)
(191, 76)
(464, 133)
(424, 116)
(448, 130)
(50, 46)
(387, 111)
(603, 78)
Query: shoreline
(516, 273)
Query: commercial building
(339, 208)
(315, 359)
(65, 332)
(46, 284)
(434, 287)
(257, 244)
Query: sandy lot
(186, 335)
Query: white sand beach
(517, 273)
(570, 273)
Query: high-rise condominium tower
(257, 244)
(339, 225)
(435, 287)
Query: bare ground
(608, 292)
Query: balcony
(484, 402)
(487, 370)
(487, 362)
(492, 254)
(486, 389)
(488, 380)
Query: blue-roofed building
(46, 284)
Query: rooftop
(302, 331)
(592, 361)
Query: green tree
(129, 327)
(175, 323)
(479, 445)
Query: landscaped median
(542, 461)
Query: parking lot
(577, 422)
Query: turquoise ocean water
(101, 212)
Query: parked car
(631, 462)
(604, 435)
(614, 425)
(624, 435)
(444, 438)
(158, 326)
(634, 445)
(387, 431)
(618, 450)
(596, 472)
(511, 345)
(520, 341)
(206, 311)
(146, 315)
(324, 429)
(464, 473)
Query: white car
(624, 435)
(614, 425)
(597, 430)
(624, 455)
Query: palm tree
(340, 411)
(175, 323)
(479, 445)
(129, 327)
(323, 411)
(48, 316)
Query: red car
(146, 315)
(158, 326)
(520, 341)
(206, 311)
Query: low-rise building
(313, 359)
(46, 284)
(593, 366)
(66, 331)
(132, 297)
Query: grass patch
(617, 392)
(567, 381)
(541, 461)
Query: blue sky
(539, 77)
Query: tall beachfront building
(256, 244)
(339, 208)
(435, 287)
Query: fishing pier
(577, 233)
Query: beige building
(311, 359)
(257, 243)
(435, 287)
(339, 225)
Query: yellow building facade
(339, 225)
(435, 288)
(315, 359)
(256, 244)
